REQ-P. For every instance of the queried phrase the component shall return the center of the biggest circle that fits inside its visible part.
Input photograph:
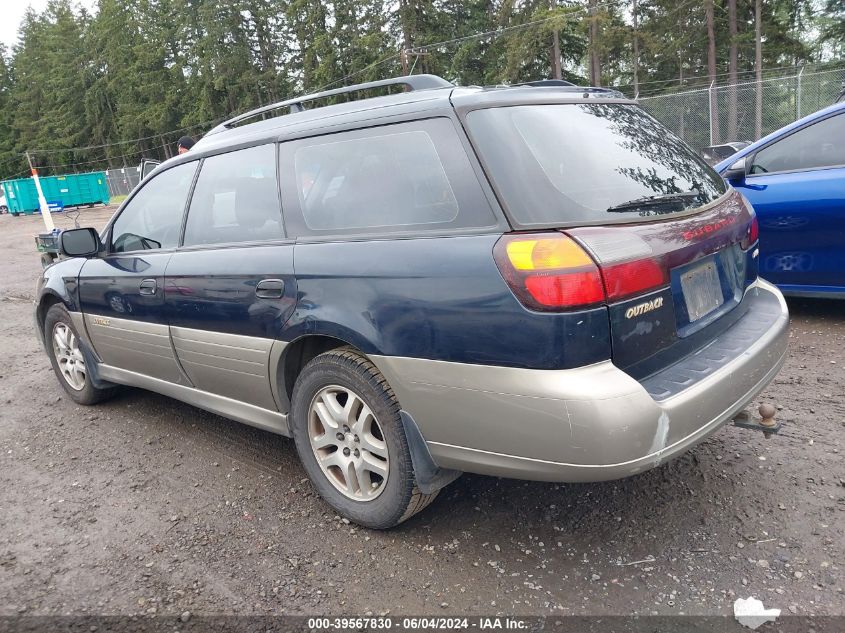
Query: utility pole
(636, 51)
(595, 63)
(711, 71)
(404, 57)
(42, 203)
(556, 69)
(733, 65)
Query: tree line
(88, 90)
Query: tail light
(554, 272)
(628, 265)
(753, 234)
(549, 271)
(633, 278)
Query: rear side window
(235, 199)
(394, 178)
(819, 145)
(589, 163)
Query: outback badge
(642, 308)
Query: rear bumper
(592, 423)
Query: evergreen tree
(107, 88)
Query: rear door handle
(148, 287)
(270, 289)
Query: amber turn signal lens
(549, 271)
(554, 253)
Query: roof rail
(411, 82)
(546, 83)
(549, 83)
(597, 90)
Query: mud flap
(92, 367)
(430, 477)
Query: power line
(705, 85)
(506, 29)
(18, 175)
(417, 50)
(136, 140)
(705, 78)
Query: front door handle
(148, 287)
(270, 289)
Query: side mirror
(79, 242)
(738, 170)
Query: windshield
(589, 163)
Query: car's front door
(230, 286)
(122, 293)
(797, 186)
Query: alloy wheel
(69, 356)
(348, 443)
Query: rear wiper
(651, 201)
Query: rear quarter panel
(436, 298)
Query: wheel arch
(296, 355)
(47, 301)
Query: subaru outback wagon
(534, 281)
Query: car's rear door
(797, 186)
(122, 293)
(230, 286)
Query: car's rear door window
(236, 199)
(562, 164)
(389, 179)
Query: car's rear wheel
(349, 436)
(69, 365)
(3, 209)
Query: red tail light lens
(549, 271)
(631, 278)
(753, 234)
(628, 264)
(575, 289)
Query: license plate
(702, 290)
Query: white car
(4, 208)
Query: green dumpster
(70, 190)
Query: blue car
(537, 282)
(795, 180)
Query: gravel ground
(146, 505)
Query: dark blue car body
(801, 208)
(532, 310)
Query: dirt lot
(146, 505)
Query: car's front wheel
(349, 436)
(63, 347)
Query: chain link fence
(718, 114)
(122, 181)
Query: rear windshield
(589, 163)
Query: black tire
(3, 209)
(400, 498)
(88, 394)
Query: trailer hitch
(766, 423)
